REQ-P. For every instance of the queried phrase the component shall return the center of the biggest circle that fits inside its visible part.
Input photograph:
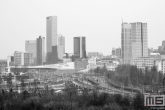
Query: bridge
(102, 85)
(59, 66)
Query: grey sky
(98, 20)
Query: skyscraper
(134, 41)
(126, 43)
(40, 44)
(79, 47)
(51, 38)
(113, 51)
(30, 46)
(61, 46)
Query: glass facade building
(79, 47)
(134, 41)
(126, 47)
(51, 40)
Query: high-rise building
(30, 46)
(139, 40)
(126, 43)
(134, 41)
(40, 44)
(79, 47)
(61, 47)
(51, 39)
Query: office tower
(139, 40)
(28, 59)
(23, 58)
(61, 47)
(118, 52)
(79, 47)
(40, 44)
(30, 46)
(134, 41)
(113, 51)
(51, 39)
(126, 43)
(18, 58)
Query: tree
(147, 77)
(138, 102)
(163, 82)
(97, 70)
(153, 75)
(22, 85)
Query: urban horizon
(110, 53)
(91, 54)
(99, 25)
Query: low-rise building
(10, 60)
(143, 62)
(67, 57)
(155, 55)
(160, 64)
(92, 64)
(80, 65)
(116, 52)
(109, 63)
(3, 64)
(111, 66)
(94, 54)
(23, 58)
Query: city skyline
(101, 24)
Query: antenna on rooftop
(122, 19)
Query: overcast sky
(98, 20)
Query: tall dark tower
(40, 50)
(79, 47)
